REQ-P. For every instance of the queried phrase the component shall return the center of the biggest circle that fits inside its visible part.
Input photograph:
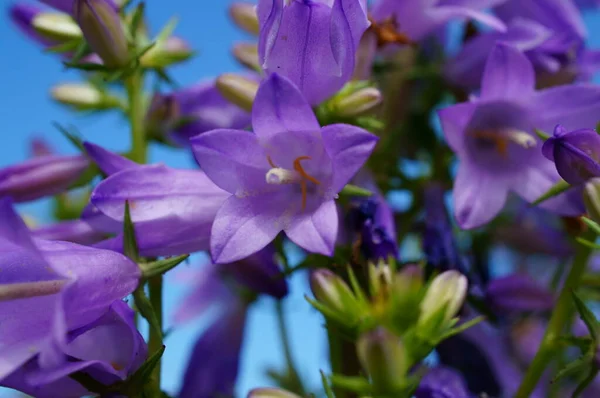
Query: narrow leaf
(351, 383)
(89, 383)
(575, 367)
(587, 243)
(542, 134)
(167, 30)
(161, 266)
(141, 376)
(136, 19)
(145, 309)
(326, 386)
(587, 317)
(583, 343)
(329, 314)
(88, 67)
(353, 190)
(555, 190)
(72, 137)
(130, 247)
(462, 327)
(586, 382)
(358, 292)
(593, 225)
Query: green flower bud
(271, 393)
(333, 292)
(56, 26)
(380, 279)
(103, 30)
(446, 293)
(171, 51)
(83, 96)
(245, 17)
(247, 55)
(384, 357)
(237, 89)
(358, 102)
(591, 198)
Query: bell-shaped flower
(518, 293)
(442, 382)
(311, 42)
(284, 176)
(493, 136)
(575, 153)
(76, 231)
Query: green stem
(155, 342)
(559, 319)
(135, 92)
(294, 378)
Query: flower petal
(316, 232)
(109, 162)
(508, 74)
(349, 148)
(454, 120)
(279, 106)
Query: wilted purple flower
(518, 293)
(172, 210)
(41, 176)
(76, 231)
(442, 382)
(48, 292)
(109, 349)
(283, 177)
(420, 18)
(575, 153)
(191, 111)
(493, 137)
(311, 42)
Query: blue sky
(28, 74)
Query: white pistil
(521, 138)
(279, 176)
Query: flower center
(499, 140)
(278, 176)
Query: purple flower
(199, 108)
(76, 231)
(518, 293)
(41, 176)
(48, 292)
(587, 3)
(283, 177)
(67, 6)
(494, 140)
(108, 349)
(172, 210)
(311, 42)
(420, 18)
(442, 382)
(575, 153)
(23, 15)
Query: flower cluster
(442, 186)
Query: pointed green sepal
(541, 134)
(130, 247)
(146, 310)
(140, 378)
(326, 385)
(555, 190)
(587, 317)
(353, 190)
(593, 225)
(161, 266)
(351, 383)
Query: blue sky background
(26, 111)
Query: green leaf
(543, 135)
(161, 266)
(356, 289)
(330, 314)
(351, 383)
(353, 190)
(583, 343)
(587, 243)
(555, 190)
(90, 384)
(167, 30)
(462, 327)
(593, 225)
(140, 378)
(73, 138)
(88, 67)
(587, 317)
(130, 247)
(145, 309)
(326, 386)
(586, 382)
(68, 46)
(138, 15)
(575, 367)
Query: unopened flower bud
(245, 17)
(56, 27)
(384, 357)
(168, 52)
(358, 102)
(271, 393)
(103, 30)
(333, 292)
(591, 198)
(247, 55)
(83, 96)
(444, 297)
(380, 279)
(238, 89)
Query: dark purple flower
(587, 3)
(518, 293)
(67, 6)
(76, 231)
(191, 111)
(442, 382)
(420, 18)
(109, 349)
(23, 15)
(311, 42)
(493, 136)
(41, 176)
(50, 290)
(575, 153)
(283, 177)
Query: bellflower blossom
(172, 210)
(442, 382)
(518, 293)
(50, 291)
(23, 16)
(494, 140)
(311, 42)
(76, 231)
(201, 108)
(282, 177)
(420, 18)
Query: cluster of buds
(396, 323)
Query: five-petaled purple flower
(311, 42)
(493, 136)
(282, 177)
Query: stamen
(271, 162)
(277, 175)
(497, 139)
(298, 167)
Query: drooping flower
(23, 16)
(282, 177)
(180, 115)
(311, 42)
(442, 382)
(420, 18)
(494, 138)
(50, 291)
(575, 153)
(172, 210)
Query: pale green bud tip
(78, 95)
(591, 198)
(271, 393)
(448, 290)
(103, 30)
(383, 355)
(237, 89)
(329, 289)
(56, 26)
(247, 55)
(167, 52)
(359, 102)
(245, 17)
